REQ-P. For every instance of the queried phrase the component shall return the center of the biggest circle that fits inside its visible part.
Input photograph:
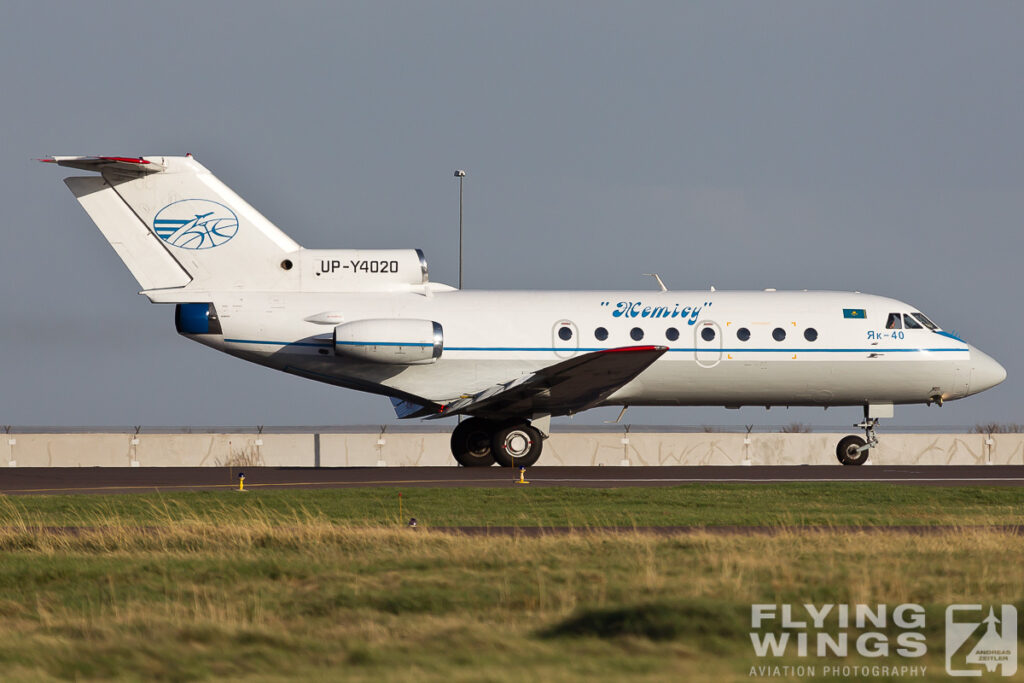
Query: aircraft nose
(986, 372)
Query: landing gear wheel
(849, 453)
(471, 443)
(516, 445)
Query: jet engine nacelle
(389, 340)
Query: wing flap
(406, 409)
(567, 387)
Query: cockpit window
(911, 323)
(894, 322)
(925, 321)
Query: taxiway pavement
(111, 480)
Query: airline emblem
(195, 224)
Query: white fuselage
(848, 357)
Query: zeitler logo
(978, 640)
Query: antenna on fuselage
(658, 278)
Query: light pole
(460, 175)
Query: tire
(516, 445)
(471, 443)
(847, 453)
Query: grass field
(325, 584)
(841, 504)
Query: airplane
(506, 361)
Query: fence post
(11, 441)
(746, 446)
(625, 447)
(380, 447)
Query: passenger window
(911, 323)
(601, 334)
(743, 334)
(925, 321)
(778, 334)
(636, 333)
(811, 334)
(672, 334)
(894, 322)
(707, 334)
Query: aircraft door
(707, 342)
(961, 382)
(565, 339)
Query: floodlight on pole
(460, 174)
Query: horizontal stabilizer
(560, 389)
(131, 165)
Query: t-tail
(183, 234)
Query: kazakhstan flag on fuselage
(854, 313)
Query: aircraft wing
(560, 389)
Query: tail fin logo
(195, 224)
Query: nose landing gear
(853, 450)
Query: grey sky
(850, 146)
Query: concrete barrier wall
(159, 450)
(431, 448)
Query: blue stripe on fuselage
(549, 349)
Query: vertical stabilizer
(202, 226)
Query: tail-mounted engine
(397, 341)
(196, 319)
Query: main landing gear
(853, 450)
(481, 443)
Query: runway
(113, 480)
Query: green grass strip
(833, 504)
